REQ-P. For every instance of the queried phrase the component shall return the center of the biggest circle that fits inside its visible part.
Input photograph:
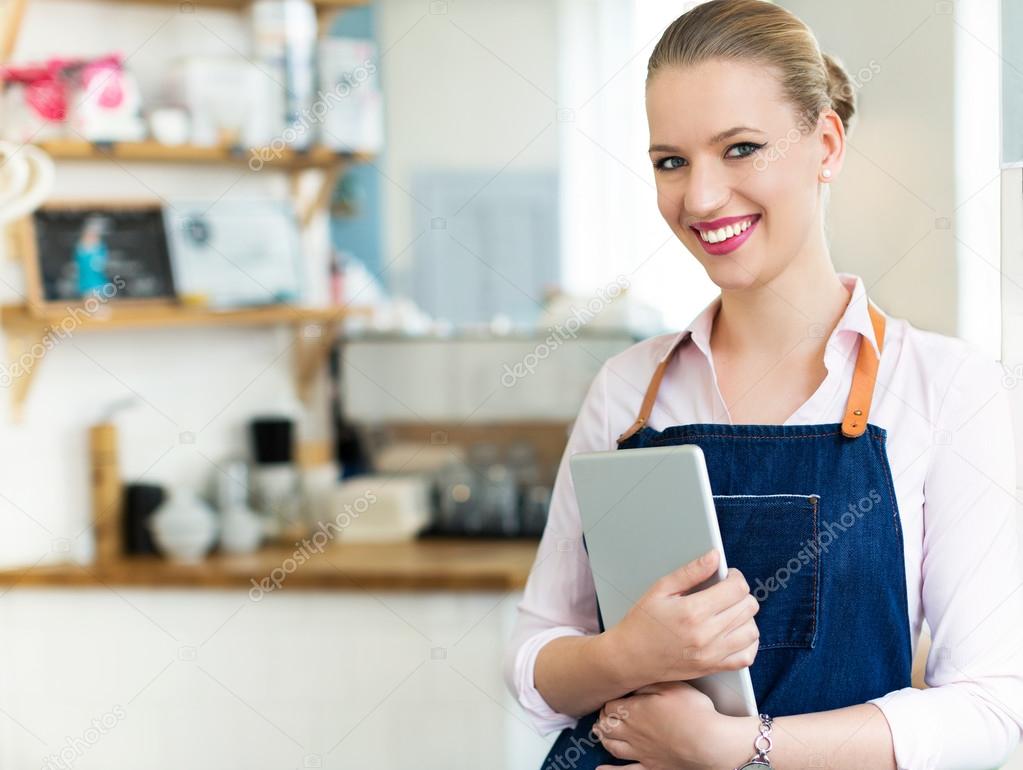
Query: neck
(803, 303)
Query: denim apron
(808, 514)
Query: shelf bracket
(325, 16)
(11, 17)
(313, 342)
(25, 350)
(324, 192)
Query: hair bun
(841, 90)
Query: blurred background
(300, 298)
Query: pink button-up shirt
(952, 455)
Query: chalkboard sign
(114, 252)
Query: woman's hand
(668, 726)
(671, 634)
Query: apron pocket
(772, 540)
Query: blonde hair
(768, 35)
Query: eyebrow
(717, 138)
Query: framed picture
(235, 253)
(116, 250)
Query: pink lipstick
(729, 244)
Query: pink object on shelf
(97, 95)
(111, 93)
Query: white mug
(26, 179)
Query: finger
(739, 638)
(618, 748)
(654, 689)
(609, 723)
(616, 706)
(689, 575)
(622, 767)
(742, 658)
(658, 688)
(735, 616)
(712, 600)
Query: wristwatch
(761, 745)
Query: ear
(832, 139)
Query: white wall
(469, 85)
(899, 174)
(208, 679)
(977, 216)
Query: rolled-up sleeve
(971, 715)
(559, 598)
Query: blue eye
(663, 163)
(746, 144)
(669, 163)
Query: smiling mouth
(726, 233)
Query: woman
(817, 414)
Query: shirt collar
(856, 318)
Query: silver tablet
(645, 513)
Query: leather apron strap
(861, 391)
(651, 391)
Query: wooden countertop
(429, 564)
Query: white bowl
(184, 528)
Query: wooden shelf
(330, 5)
(153, 151)
(169, 316)
(12, 14)
(441, 564)
(27, 327)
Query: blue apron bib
(808, 514)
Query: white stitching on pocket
(759, 497)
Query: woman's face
(764, 175)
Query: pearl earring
(826, 173)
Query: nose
(706, 191)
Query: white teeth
(726, 232)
